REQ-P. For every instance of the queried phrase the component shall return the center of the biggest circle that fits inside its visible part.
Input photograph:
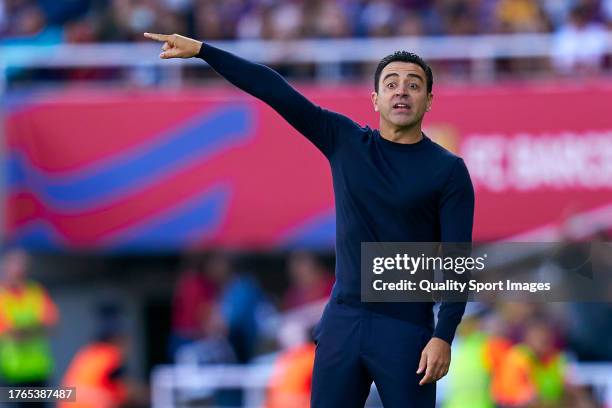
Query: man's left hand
(435, 360)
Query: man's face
(402, 98)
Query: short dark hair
(404, 56)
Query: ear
(375, 101)
(429, 101)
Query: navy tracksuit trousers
(356, 346)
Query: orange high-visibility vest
(495, 351)
(90, 372)
(512, 384)
(292, 377)
(521, 378)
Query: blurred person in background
(534, 372)
(557, 10)
(255, 22)
(98, 370)
(580, 44)
(225, 319)
(241, 306)
(27, 313)
(511, 318)
(324, 19)
(232, 327)
(521, 16)
(309, 280)
(26, 23)
(378, 18)
(286, 21)
(459, 17)
(478, 354)
(209, 22)
(291, 380)
(411, 25)
(122, 19)
(192, 305)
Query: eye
(391, 85)
(414, 86)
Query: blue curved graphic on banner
(175, 228)
(134, 169)
(316, 233)
(38, 235)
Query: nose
(402, 94)
(402, 90)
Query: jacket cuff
(202, 52)
(445, 330)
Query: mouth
(402, 107)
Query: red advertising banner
(164, 170)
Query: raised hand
(176, 46)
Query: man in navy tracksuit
(390, 184)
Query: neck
(405, 135)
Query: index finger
(157, 37)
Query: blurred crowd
(513, 354)
(506, 354)
(28, 318)
(125, 20)
(580, 30)
(223, 312)
(222, 316)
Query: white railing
(171, 384)
(481, 51)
